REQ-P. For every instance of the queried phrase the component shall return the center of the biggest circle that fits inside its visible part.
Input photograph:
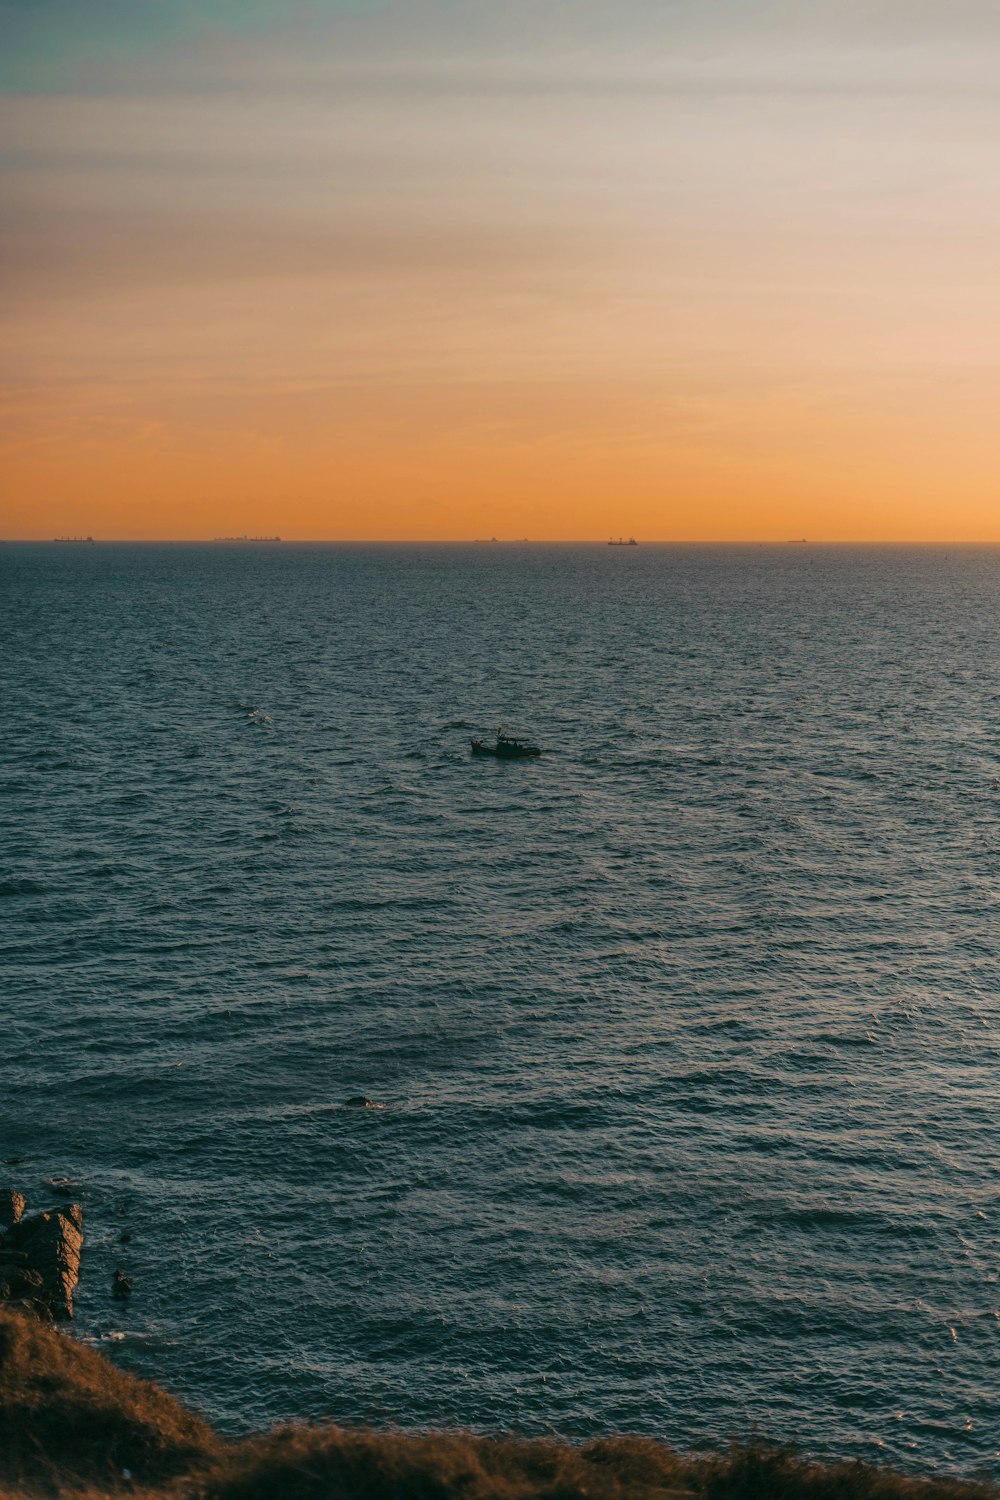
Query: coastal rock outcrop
(121, 1286)
(12, 1206)
(40, 1260)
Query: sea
(682, 1039)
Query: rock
(64, 1186)
(20, 1284)
(11, 1207)
(360, 1101)
(121, 1286)
(49, 1244)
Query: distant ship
(621, 542)
(80, 541)
(507, 747)
(246, 539)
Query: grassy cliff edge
(71, 1423)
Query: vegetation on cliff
(73, 1424)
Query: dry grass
(70, 1423)
(320, 1463)
(333, 1464)
(68, 1418)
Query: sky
(442, 269)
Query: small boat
(507, 747)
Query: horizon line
(276, 541)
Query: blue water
(687, 1034)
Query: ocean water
(686, 1036)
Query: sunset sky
(688, 269)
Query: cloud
(108, 45)
(70, 250)
(50, 44)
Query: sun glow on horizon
(367, 272)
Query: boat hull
(504, 752)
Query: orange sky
(373, 271)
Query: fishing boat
(507, 747)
